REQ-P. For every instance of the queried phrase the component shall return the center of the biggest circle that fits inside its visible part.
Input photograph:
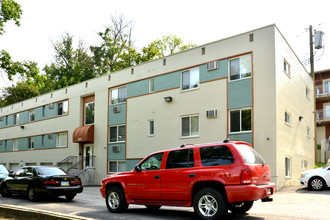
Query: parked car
(316, 179)
(37, 181)
(210, 177)
(3, 172)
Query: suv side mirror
(138, 168)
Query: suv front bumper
(241, 193)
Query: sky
(201, 22)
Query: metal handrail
(80, 162)
(58, 164)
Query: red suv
(210, 177)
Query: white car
(316, 179)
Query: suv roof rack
(183, 145)
(237, 141)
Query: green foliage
(10, 10)
(318, 165)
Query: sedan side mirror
(11, 174)
(138, 168)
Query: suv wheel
(115, 200)
(316, 183)
(240, 207)
(209, 204)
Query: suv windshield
(250, 155)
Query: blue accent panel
(38, 114)
(116, 155)
(10, 120)
(130, 164)
(2, 123)
(220, 72)
(117, 118)
(3, 146)
(240, 93)
(24, 117)
(23, 144)
(138, 88)
(50, 113)
(37, 142)
(9, 146)
(167, 81)
(49, 142)
(247, 137)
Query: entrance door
(89, 155)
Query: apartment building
(322, 88)
(250, 87)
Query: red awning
(84, 134)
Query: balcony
(322, 115)
(322, 92)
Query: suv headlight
(303, 175)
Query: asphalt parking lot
(289, 203)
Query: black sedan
(37, 181)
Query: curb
(20, 212)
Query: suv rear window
(216, 155)
(250, 155)
(180, 159)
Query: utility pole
(311, 57)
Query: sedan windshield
(49, 171)
(3, 170)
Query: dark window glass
(234, 69)
(49, 171)
(113, 134)
(235, 121)
(215, 156)
(89, 113)
(60, 108)
(180, 159)
(246, 120)
(153, 162)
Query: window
(31, 115)
(180, 159)
(288, 167)
(117, 133)
(151, 85)
(43, 110)
(190, 79)
(326, 87)
(153, 162)
(151, 128)
(118, 95)
(240, 120)
(240, 68)
(62, 139)
(62, 108)
(31, 143)
(190, 126)
(117, 166)
(15, 145)
(308, 131)
(286, 67)
(216, 156)
(287, 118)
(308, 93)
(6, 120)
(304, 164)
(16, 119)
(89, 113)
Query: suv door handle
(191, 175)
(156, 177)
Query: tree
(71, 65)
(10, 10)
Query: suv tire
(209, 204)
(316, 183)
(240, 207)
(115, 200)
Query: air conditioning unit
(116, 149)
(51, 106)
(212, 113)
(50, 136)
(212, 65)
(116, 109)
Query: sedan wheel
(5, 192)
(31, 194)
(316, 183)
(69, 197)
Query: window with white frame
(31, 142)
(151, 85)
(240, 120)
(62, 139)
(15, 145)
(288, 167)
(16, 119)
(63, 108)
(118, 95)
(287, 118)
(308, 131)
(117, 166)
(189, 126)
(117, 133)
(286, 67)
(31, 115)
(326, 86)
(190, 79)
(308, 93)
(151, 127)
(240, 67)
